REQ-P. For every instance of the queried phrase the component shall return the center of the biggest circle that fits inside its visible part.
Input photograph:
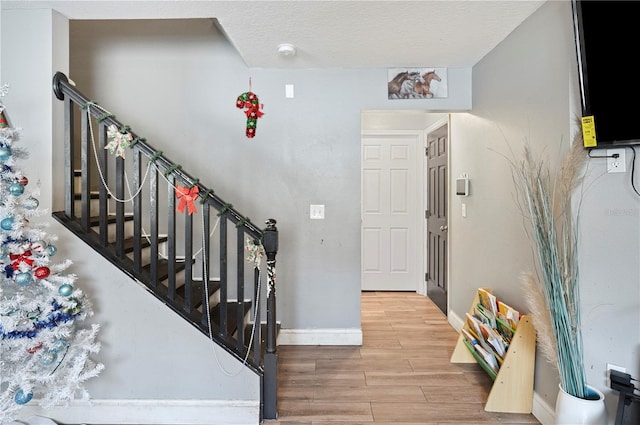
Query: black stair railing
(115, 207)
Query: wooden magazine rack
(512, 389)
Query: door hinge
(426, 214)
(426, 277)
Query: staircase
(196, 264)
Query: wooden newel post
(270, 244)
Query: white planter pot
(572, 410)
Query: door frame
(420, 252)
(422, 288)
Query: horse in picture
(412, 85)
(423, 87)
(395, 85)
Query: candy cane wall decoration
(249, 100)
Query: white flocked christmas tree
(45, 352)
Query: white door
(390, 211)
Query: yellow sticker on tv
(589, 132)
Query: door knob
(443, 228)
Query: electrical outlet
(611, 367)
(618, 164)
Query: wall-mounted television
(607, 35)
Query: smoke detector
(286, 49)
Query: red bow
(187, 196)
(254, 110)
(21, 258)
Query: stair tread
(196, 291)
(163, 268)
(232, 315)
(111, 218)
(144, 242)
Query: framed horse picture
(417, 83)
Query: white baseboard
(454, 320)
(542, 411)
(320, 337)
(152, 412)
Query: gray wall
(525, 89)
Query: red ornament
(23, 181)
(42, 272)
(249, 100)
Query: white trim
(454, 320)
(153, 412)
(320, 337)
(542, 411)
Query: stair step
(111, 219)
(144, 242)
(163, 268)
(196, 291)
(232, 315)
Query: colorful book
(508, 314)
(488, 300)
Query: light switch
(316, 212)
(288, 91)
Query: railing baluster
(120, 206)
(240, 313)
(171, 236)
(188, 255)
(206, 270)
(223, 276)
(137, 212)
(85, 184)
(69, 160)
(153, 224)
(257, 331)
(103, 170)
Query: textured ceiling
(333, 34)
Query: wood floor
(400, 375)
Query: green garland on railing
(171, 169)
(206, 194)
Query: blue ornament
(49, 358)
(3, 251)
(51, 250)
(24, 278)
(7, 223)
(31, 203)
(16, 189)
(22, 398)
(5, 153)
(65, 290)
(59, 345)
